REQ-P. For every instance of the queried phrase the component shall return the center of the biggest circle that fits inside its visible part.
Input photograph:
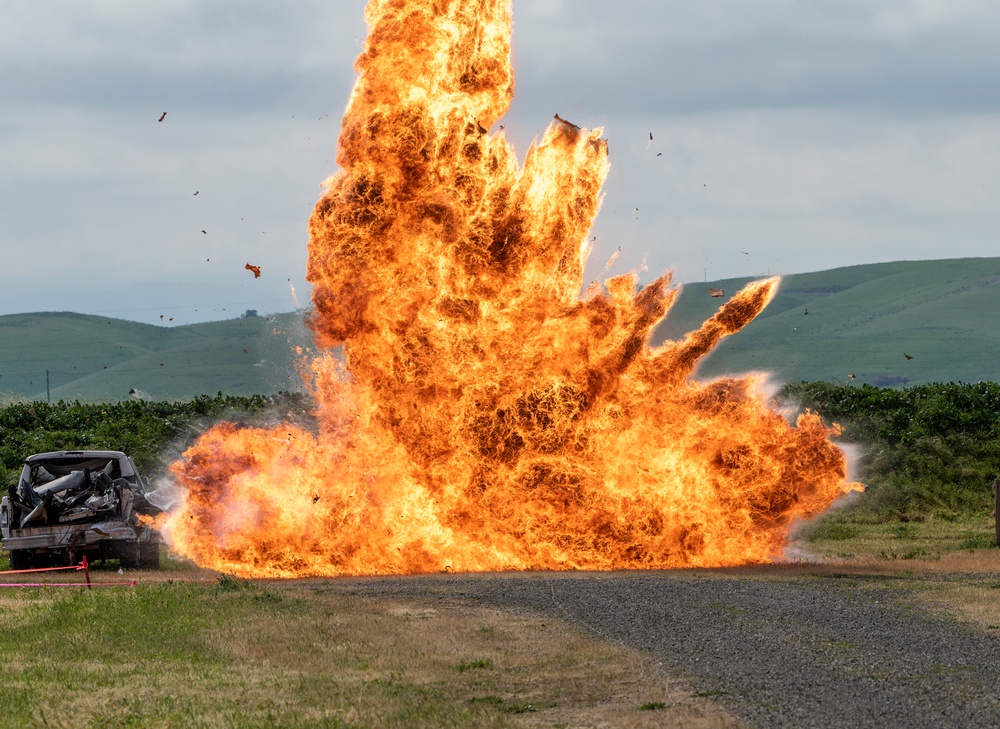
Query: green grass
(654, 706)
(841, 535)
(176, 654)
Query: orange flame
(485, 416)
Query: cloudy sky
(788, 136)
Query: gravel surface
(806, 652)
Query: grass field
(838, 536)
(861, 321)
(186, 647)
(189, 649)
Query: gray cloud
(942, 73)
(808, 134)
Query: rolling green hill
(829, 325)
(93, 358)
(862, 321)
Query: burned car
(74, 503)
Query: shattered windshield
(44, 471)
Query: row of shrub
(145, 430)
(929, 450)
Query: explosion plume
(486, 415)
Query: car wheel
(20, 559)
(128, 555)
(149, 555)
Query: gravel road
(786, 652)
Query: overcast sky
(788, 136)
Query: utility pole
(996, 508)
(48, 394)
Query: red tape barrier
(75, 568)
(67, 584)
(84, 566)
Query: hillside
(829, 325)
(862, 321)
(93, 358)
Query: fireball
(487, 413)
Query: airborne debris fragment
(162, 117)
(567, 123)
(196, 192)
(716, 293)
(907, 355)
(255, 269)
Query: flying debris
(853, 376)
(567, 123)
(805, 313)
(481, 129)
(716, 293)
(907, 355)
(204, 231)
(659, 154)
(162, 117)
(650, 136)
(255, 269)
(196, 192)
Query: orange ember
(485, 416)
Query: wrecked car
(69, 504)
